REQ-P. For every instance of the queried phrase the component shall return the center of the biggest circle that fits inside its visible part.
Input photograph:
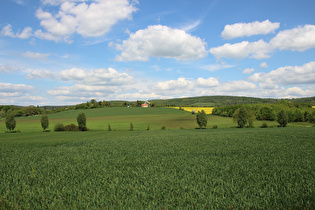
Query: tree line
(216, 101)
(295, 112)
(25, 111)
(245, 118)
(223, 103)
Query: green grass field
(120, 118)
(272, 168)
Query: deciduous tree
(202, 119)
(282, 118)
(241, 117)
(81, 119)
(10, 121)
(44, 121)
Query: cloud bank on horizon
(55, 52)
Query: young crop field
(271, 168)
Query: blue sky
(57, 52)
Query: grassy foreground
(212, 168)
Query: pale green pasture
(120, 118)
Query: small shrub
(131, 127)
(264, 125)
(109, 128)
(59, 127)
(71, 127)
(214, 126)
(163, 127)
(181, 128)
(148, 128)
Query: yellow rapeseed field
(208, 110)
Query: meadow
(270, 168)
(120, 118)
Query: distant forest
(202, 101)
(227, 100)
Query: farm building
(145, 104)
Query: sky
(62, 52)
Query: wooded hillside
(226, 100)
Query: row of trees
(100, 104)
(81, 119)
(270, 111)
(32, 110)
(20, 111)
(245, 117)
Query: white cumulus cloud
(288, 75)
(9, 69)
(299, 92)
(40, 74)
(202, 86)
(258, 50)
(89, 20)
(249, 29)
(17, 94)
(161, 41)
(210, 82)
(298, 39)
(25, 34)
(106, 77)
(236, 86)
(13, 88)
(99, 84)
(83, 91)
(264, 65)
(179, 85)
